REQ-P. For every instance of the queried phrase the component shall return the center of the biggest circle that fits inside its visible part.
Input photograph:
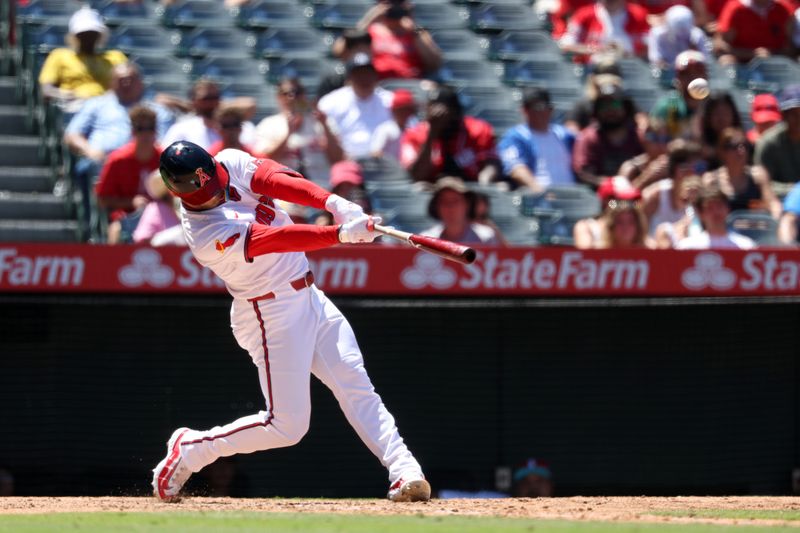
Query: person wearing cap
(71, 75)
(753, 28)
(296, 137)
(765, 113)
(355, 111)
(588, 232)
(533, 479)
(617, 27)
(347, 45)
(677, 108)
(662, 201)
(713, 207)
(400, 48)
(611, 139)
(677, 33)
(449, 142)
(537, 153)
(452, 205)
(386, 141)
(778, 150)
(346, 181)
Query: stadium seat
(281, 42)
(458, 43)
(519, 231)
(770, 74)
(193, 13)
(338, 16)
(411, 223)
(475, 97)
(644, 97)
(123, 13)
(460, 72)
(383, 172)
(501, 119)
(395, 200)
(519, 45)
(571, 201)
(229, 68)
(540, 72)
(160, 66)
(263, 14)
(496, 18)
(308, 69)
(636, 73)
(758, 225)
(743, 101)
(419, 88)
(175, 86)
(201, 42)
(141, 39)
(45, 11)
(440, 16)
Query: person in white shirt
(713, 208)
(200, 127)
(676, 34)
(356, 110)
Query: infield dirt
(625, 509)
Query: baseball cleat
(414, 490)
(171, 473)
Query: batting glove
(359, 230)
(342, 210)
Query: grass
(737, 514)
(240, 522)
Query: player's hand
(359, 230)
(342, 210)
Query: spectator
(677, 34)
(533, 479)
(103, 125)
(386, 141)
(677, 108)
(199, 127)
(356, 110)
(747, 187)
(588, 232)
(347, 181)
(713, 209)
(229, 120)
(350, 43)
(609, 141)
(606, 70)
(295, 137)
(537, 153)
(717, 113)
(400, 48)
(651, 165)
(615, 27)
(121, 188)
(669, 234)
(777, 150)
(753, 28)
(449, 142)
(787, 227)
(563, 13)
(481, 211)
(662, 200)
(71, 75)
(765, 113)
(453, 205)
(159, 214)
(625, 227)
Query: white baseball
(698, 88)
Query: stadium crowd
(664, 177)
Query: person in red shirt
(607, 27)
(229, 125)
(121, 187)
(753, 28)
(449, 143)
(400, 48)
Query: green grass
(240, 522)
(740, 514)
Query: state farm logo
(146, 268)
(428, 270)
(709, 270)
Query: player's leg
(338, 363)
(276, 334)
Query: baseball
(698, 88)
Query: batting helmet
(191, 174)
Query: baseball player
(286, 324)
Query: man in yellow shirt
(70, 75)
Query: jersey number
(265, 212)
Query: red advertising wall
(390, 270)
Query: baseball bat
(447, 249)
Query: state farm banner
(398, 270)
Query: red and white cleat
(415, 489)
(171, 474)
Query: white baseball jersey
(217, 236)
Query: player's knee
(292, 427)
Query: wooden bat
(447, 249)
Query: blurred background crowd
(498, 122)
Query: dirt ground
(626, 509)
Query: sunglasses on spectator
(291, 92)
(230, 125)
(144, 128)
(653, 137)
(735, 146)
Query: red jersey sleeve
(725, 22)
(261, 239)
(277, 181)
